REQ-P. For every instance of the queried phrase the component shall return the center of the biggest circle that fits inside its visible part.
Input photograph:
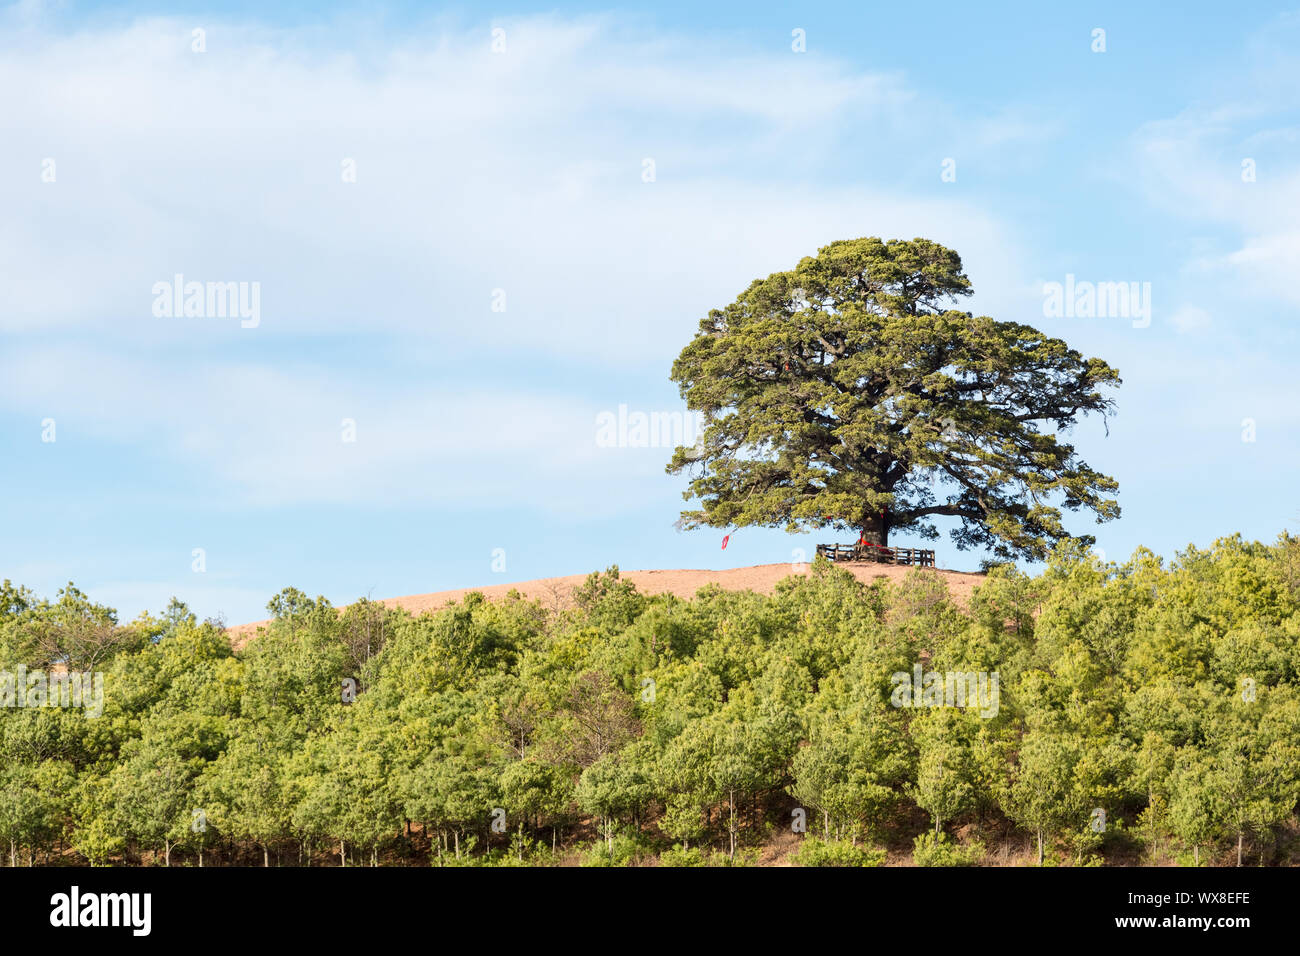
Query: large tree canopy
(846, 393)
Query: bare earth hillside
(556, 592)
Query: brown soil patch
(557, 592)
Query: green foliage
(932, 850)
(633, 727)
(814, 851)
(848, 392)
(683, 856)
(623, 849)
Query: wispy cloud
(517, 179)
(1232, 164)
(522, 171)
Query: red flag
(724, 542)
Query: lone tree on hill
(847, 394)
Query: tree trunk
(876, 531)
(266, 855)
(1040, 846)
(731, 825)
(1196, 854)
(1240, 836)
(167, 852)
(343, 853)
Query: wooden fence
(843, 552)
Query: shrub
(679, 857)
(818, 852)
(625, 851)
(929, 850)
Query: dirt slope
(556, 592)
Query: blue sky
(522, 171)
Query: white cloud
(1271, 261)
(1190, 318)
(272, 435)
(476, 171)
(1232, 163)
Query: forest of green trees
(1146, 713)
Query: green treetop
(846, 393)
